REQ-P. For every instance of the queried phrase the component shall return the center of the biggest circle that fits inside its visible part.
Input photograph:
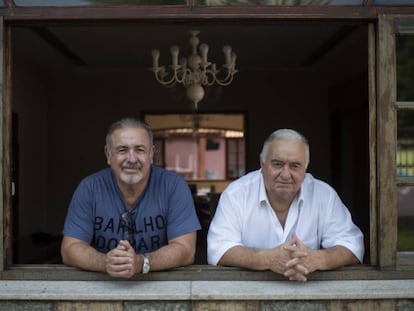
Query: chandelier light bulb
(204, 50)
(155, 58)
(174, 55)
(227, 54)
(233, 59)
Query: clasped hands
(122, 261)
(298, 260)
(294, 260)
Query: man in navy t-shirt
(132, 217)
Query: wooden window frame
(385, 263)
(388, 255)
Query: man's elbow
(65, 256)
(189, 258)
(189, 261)
(349, 258)
(67, 251)
(354, 260)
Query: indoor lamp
(195, 71)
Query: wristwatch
(146, 264)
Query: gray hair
(126, 123)
(285, 134)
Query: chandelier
(194, 71)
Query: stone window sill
(205, 290)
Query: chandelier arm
(180, 74)
(212, 75)
(227, 80)
(160, 79)
(224, 83)
(170, 85)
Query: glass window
(405, 143)
(406, 218)
(405, 140)
(235, 158)
(393, 2)
(67, 3)
(405, 68)
(279, 2)
(2, 3)
(405, 117)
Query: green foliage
(406, 240)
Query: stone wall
(352, 295)
(309, 305)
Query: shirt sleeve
(337, 228)
(225, 229)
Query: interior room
(70, 81)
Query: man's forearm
(240, 256)
(256, 259)
(334, 257)
(179, 252)
(84, 257)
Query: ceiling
(264, 46)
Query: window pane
(405, 68)
(69, 3)
(405, 143)
(279, 2)
(159, 152)
(391, 2)
(1, 3)
(406, 218)
(235, 158)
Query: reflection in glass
(279, 2)
(69, 3)
(405, 68)
(405, 143)
(405, 218)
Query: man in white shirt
(281, 218)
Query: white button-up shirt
(317, 216)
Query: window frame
(389, 28)
(404, 258)
(404, 27)
(385, 262)
(386, 140)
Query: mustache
(131, 165)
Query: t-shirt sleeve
(182, 217)
(79, 219)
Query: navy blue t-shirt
(164, 211)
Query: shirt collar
(263, 200)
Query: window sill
(201, 273)
(11, 290)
